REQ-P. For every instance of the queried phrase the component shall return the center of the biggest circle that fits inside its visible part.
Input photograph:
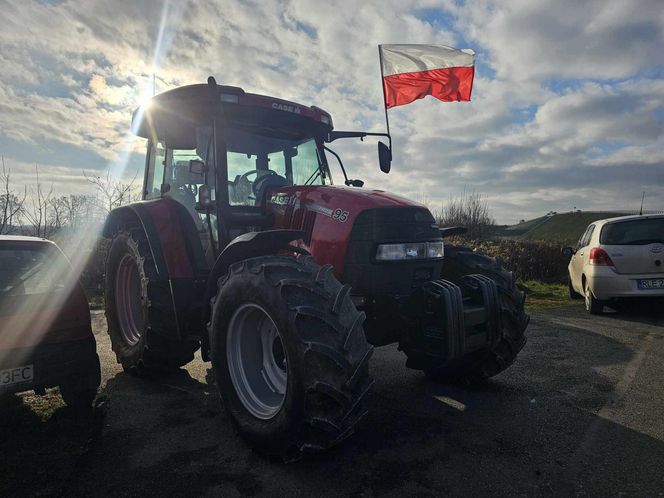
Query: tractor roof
(174, 115)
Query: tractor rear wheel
(477, 367)
(140, 342)
(289, 355)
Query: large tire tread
(479, 366)
(158, 350)
(329, 340)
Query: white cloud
(532, 139)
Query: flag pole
(382, 83)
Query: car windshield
(633, 232)
(31, 270)
(274, 160)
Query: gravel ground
(579, 413)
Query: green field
(565, 228)
(525, 226)
(541, 296)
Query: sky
(567, 109)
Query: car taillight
(599, 256)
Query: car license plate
(17, 375)
(651, 283)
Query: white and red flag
(412, 72)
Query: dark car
(46, 335)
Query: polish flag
(412, 72)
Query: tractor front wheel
(479, 366)
(289, 355)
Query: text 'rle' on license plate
(17, 375)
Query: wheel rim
(129, 301)
(587, 297)
(256, 361)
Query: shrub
(530, 260)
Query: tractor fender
(170, 232)
(181, 271)
(248, 245)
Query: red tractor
(244, 248)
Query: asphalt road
(579, 413)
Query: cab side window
(155, 174)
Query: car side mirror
(567, 251)
(384, 157)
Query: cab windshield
(258, 161)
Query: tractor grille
(384, 226)
(300, 219)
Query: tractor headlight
(408, 251)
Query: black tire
(593, 305)
(154, 346)
(572, 293)
(477, 367)
(326, 353)
(80, 390)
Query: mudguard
(249, 245)
(170, 232)
(177, 253)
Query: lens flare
(29, 318)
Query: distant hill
(566, 228)
(525, 226)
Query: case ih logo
(280, 199)
(286, 107)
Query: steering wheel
(244, 187)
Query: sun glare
(78, 243)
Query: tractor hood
(329, 214)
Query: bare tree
(11, 203)
(79, 209)
(470, 211)
(37, 213)
(112, 192)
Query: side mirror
(567, 251)
(384, 157)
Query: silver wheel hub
(256, 361)
(129, 300)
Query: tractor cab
(217, 150)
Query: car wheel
(593, 305)
(79, 391)
(572, 293)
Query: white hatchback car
(618, 258)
